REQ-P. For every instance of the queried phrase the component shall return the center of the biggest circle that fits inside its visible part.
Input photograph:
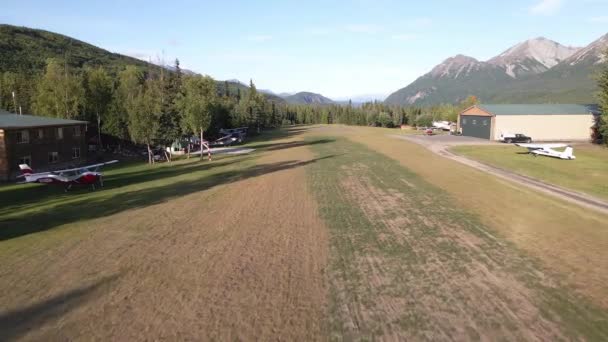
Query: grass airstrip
(325, 232)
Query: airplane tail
(568, 153)
(26, 170)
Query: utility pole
(14, 102)
(99, 133)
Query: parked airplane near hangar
(548, 150)
(86, 175)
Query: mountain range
(306, 97)
(537, 70)
(302, 97)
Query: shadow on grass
(291, 144)
(151, 174)
(108, 205)
(275, 134)
(15, 199)
(16, 323)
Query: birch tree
(144, 111)
(99, 95)
(197, 105)
(59, 93)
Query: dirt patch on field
(243, 261)
(456, 288)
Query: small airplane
(548, 150)
(86, 175)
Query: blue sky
(338, 48)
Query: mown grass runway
(408, 263)
(323, 233)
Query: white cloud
(144, 55)
(547, 7)
(259, 38)
(363, 28)
(404, 37)
(599, 20)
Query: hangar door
(476, 126)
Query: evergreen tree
(8, 85)
(252, 105)
(602, 97)
(170, 120)
(226, 89)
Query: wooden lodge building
(43, 143)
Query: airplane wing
(85, 167)
(541, 146)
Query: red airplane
(86, 175)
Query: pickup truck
(515, 138)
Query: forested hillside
(25, 50)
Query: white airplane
(85, 175)
(548, 150)
(443, 125)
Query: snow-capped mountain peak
(532, 56)
(456, 66)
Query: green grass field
(407, 262)
(397, 256)
(588, 173)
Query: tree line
(155, 107)
(149, 106)
(375, 114)
(601, 131)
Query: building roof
(10, 120)
(539, 109)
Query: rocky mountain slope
(533, 56)
(537, 70)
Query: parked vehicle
(515, 138)
(227, 140)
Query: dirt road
(574, 197)
(242, 261)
